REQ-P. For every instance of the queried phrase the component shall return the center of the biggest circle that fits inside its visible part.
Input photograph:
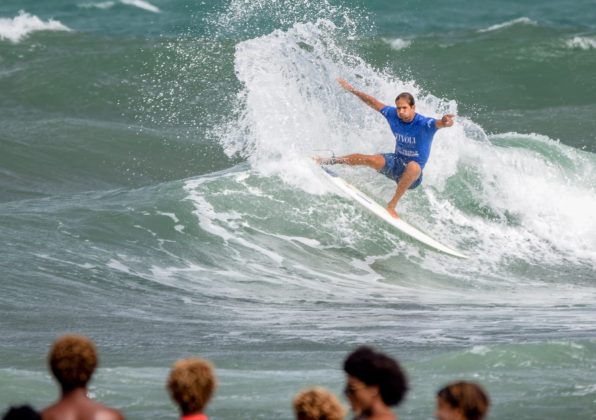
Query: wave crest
(518, 21)
(582, 43)
(18, 28)
(141, 4)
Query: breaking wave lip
(301, 60)
(518, 21)
(581, 42)
(141, 4)
(18, 28)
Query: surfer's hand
(392, 212)
(447, 120)
(344, 84)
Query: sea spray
(291, 106)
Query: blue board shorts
(394, 168)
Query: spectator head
(317, 404)
(191, 384)
(371, 375)
(72, 360)
(462, 401)
(24, 412)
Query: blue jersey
(413, 139)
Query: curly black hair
(375, 368)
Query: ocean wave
(507, 214)
(518, 21)
(582, 43)
(18, 28)
(101, 5)
(398, 43)
(141, 4)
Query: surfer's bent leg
(373, 161)
(411, 173)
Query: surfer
(413, 138)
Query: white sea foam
(582, 43)
(518, 21)
(243, 14)
(291, 106)
(310, 112)
(19, 27)
(119, 266)
(253, 248)
(398, 43)
(104, 5)
(584, 390)
(62, 261)
(542, 209)
(141, 4)
(216, 223)
(170, 215)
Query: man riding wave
(413, 139)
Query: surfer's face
(405, 112)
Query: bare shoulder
(58, 411)
(106, 413)
(49, 413)
(92, 411)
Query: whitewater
(163, 201)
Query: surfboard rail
(381, 212)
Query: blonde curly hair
(191, 384)
(317, 403)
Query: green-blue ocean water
(157, 195)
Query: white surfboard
(377, 209)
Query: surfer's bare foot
(327, 161)
(392, 212)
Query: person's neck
(380, 410)
(408, 122)
(80, 392)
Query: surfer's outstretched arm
(446, 121)
(371, 101)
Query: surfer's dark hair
(407, 96)
(375, 368)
